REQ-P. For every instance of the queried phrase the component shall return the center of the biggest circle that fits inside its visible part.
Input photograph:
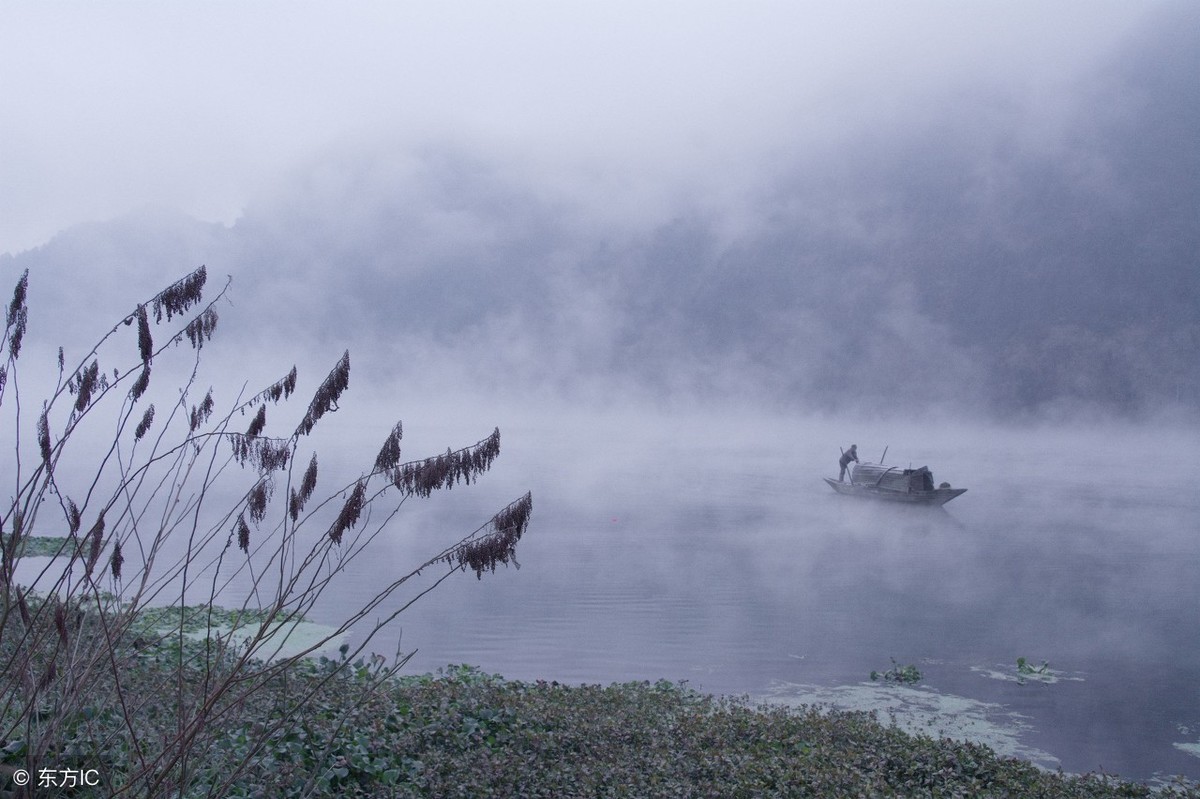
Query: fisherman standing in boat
(847, 456)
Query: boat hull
(936, 497)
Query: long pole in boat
(885, 447)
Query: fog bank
(995, 241)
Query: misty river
(704, 549)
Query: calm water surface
(702, 550)
(706, 549)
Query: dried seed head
(294, 505)
(180, 295)
(95, 538)
(281, 389)
(43, 435)
(273, 455)
(443, 471)
(257, 501)
(243, 534)
(389, 453)
(266, 454)
(144, 425)
(116, 560)
(200, 329)
(258, 423)
(141, 384)
(349, 514)
(73, 520)
(500, 544)
(18, 298)
(307, 485)
(145, 342)
(86, 381)
(201, 413)
(18, 315)
(325, 400)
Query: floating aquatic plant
(1024, 667)
(909, 675)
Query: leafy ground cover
(366, 730)
(464, 733)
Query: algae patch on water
(922, 711)
(40, 546)
(283, 640)
(1026, 672)
(278, 639)
(1192, 749)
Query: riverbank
(367, 732)
(170, 710)
(464, 733)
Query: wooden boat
(893, 483)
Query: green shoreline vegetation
(40, 546)
(367, 730)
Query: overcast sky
(630, 106)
